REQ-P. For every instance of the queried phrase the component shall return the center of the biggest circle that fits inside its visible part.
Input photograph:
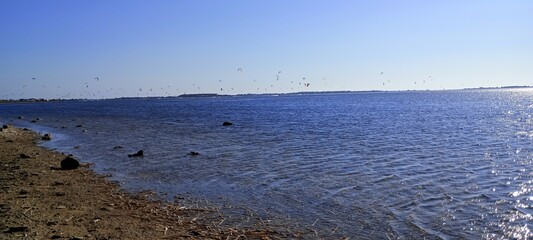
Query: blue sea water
(434, 164)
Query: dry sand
(40, 201)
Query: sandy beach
(39, 200)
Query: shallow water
(445, 164)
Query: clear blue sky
(175, 47)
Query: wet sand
(38, 200)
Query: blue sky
(176, 47)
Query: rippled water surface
(374, 165)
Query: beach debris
(227, 124)
(118, 147)
(140, 153)
(193, 153)
(69, 163)
(47, 137)
(24, 156)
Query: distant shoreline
(204, 95)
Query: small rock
(9, 141)
(140, 153)
(25, 129)
(16, 229)
(69, 163)
(33, 121)
(47, 137)
(76, 147)
(76, 238)
(227, 124)
(84, 131)
(24, 156)
(118, 147)
(23, 191)
(5, 126)
(56, 236)
(194, 153)
(20, 117)
(79, 126)
(60, 194)
(38, 119)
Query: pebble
(60, 194)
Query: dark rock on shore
(69, 163)
(25, 129)
(47, 137)
(194, 153)
(24, 156)
(140, 153)
(5, 126)
(227, 123)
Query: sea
(365, 165)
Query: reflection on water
(453, 164)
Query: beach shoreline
(40, 200)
